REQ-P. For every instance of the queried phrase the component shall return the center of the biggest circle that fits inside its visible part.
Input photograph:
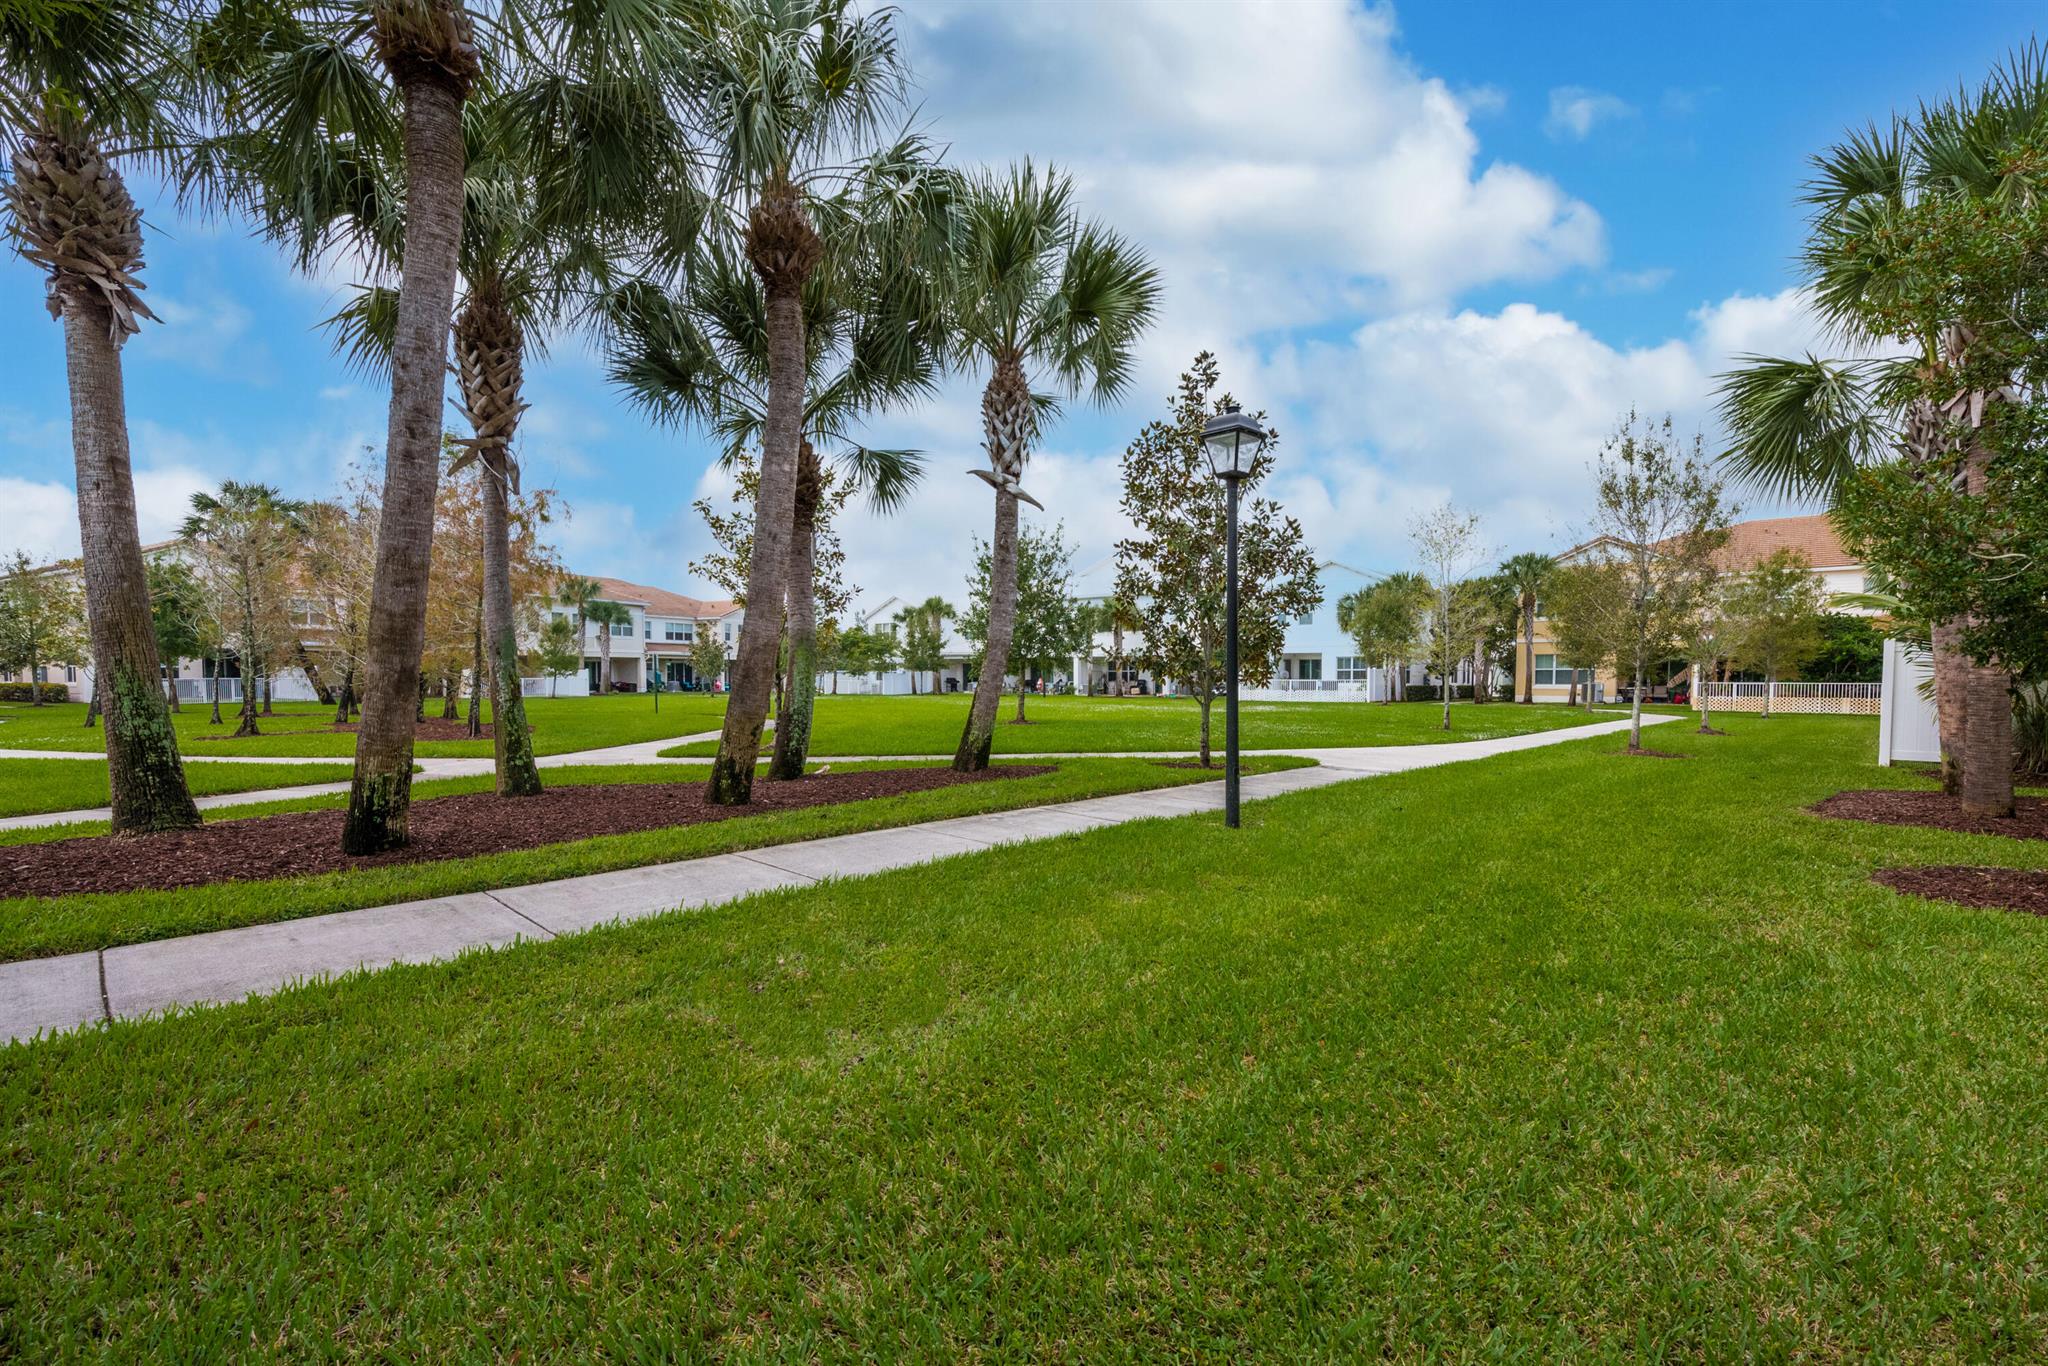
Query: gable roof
(662, 603)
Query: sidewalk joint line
(106, 1006)
(521, 914)
(786, 872)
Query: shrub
(1433, 692)
(2030, 731)
(22, 692)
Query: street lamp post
(1233, 441)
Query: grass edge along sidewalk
(46, 927)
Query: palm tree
(320, 106)
(578, 593)
(1523, 575)
(1032, 286)
(1801, 426)
(790, 94)
(698, 355)
(82, 87)
(606, 616)
(937, 611)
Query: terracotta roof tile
(662, 603)
(1815, 537)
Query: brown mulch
(1651, 754)
(1936, 811)
(2002, 889)
(1710, 730)
(298, 843)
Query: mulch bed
(2003, 889)
(1936, 811)
(298, 843)
(1651, 754)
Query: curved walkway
(49, 995)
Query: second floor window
(624, 628)
(675, 630)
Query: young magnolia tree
(1052, 625)
(1773, 614)
(1171, 572)
(1662, 517)
(1447, 545)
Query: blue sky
(1445, 245)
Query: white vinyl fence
(1833, 699)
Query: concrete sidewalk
(54, 994)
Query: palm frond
(1799, 427)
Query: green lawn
(33, 927)
(931, 725)
(33, 786)
(560, 725)
(1559, 1054)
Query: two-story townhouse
(1749, 544)
(657, 639)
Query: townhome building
(658, 639)
(1749, 544)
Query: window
(1549, 673)
(1310, 668)
(1352, 669)
(676, 630)
(624, 628)
(728, 633)
(70, 673)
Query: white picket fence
(1831, 699)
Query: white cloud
(42, 519)
(1575, 111)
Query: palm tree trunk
(451, 698)
(346, 695)
(490, 349)
(145, 774)
(604, 656)
(247, 724)
(220, 664)
(1208, 698)
(380, 796)
(1951, 676)
(1006, 418)
(1987, 692)
(784, 250)
(1022, 689)
(793, 710)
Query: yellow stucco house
(1749, 543)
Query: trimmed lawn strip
(33, 927)
(30, 787)
(1096, 725)
(560, 725)
(1556, 1055)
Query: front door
(590, 668)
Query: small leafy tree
(1171, 572)
(1587, 607)
(246, 542)
(1050, 623)
(1662, 517)
(1384, 621)
(42, 618)
(1447, 544)
(707, 656)
(560, 652)
(1774, 614)
(177, 606)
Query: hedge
(19, 692)
(1434, 692)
